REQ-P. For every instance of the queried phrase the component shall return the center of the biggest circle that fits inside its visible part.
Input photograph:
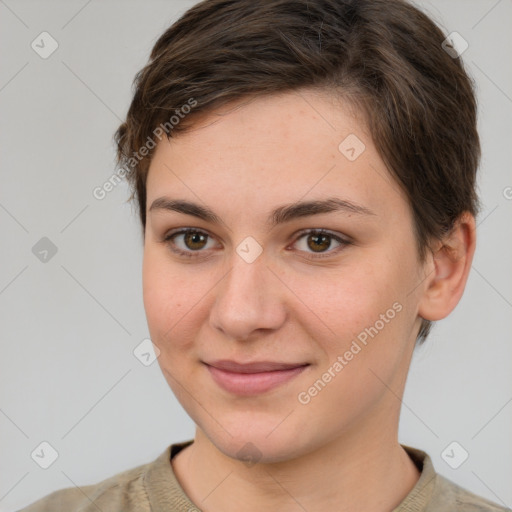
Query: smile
(245, 381)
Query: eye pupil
(195, 238)
(319, 239)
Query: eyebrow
(280, 215)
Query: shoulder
(450, 497)
(435, 493)
(123, 491)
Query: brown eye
(186, 242)
(317, 243)
(320, 242)
(194, 240)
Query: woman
(305, 176)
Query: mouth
(253, 378)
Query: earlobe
(452, 262)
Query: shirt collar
(163, 488)
(421, 494)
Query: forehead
(275, 149)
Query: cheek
(348, 300)
(174, 298)
(359, 311)
(164, 300)
(379, 317)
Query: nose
(249, 299)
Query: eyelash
(192, 254)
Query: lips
(256, 367)
(252, 378)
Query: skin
(339, 451)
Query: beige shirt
(153, 487)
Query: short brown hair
(386, 56)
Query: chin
(260, 451)
(259, 441)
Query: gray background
(69, 325)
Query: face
(331, 291)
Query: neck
(353, 472)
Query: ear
(452, 260)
